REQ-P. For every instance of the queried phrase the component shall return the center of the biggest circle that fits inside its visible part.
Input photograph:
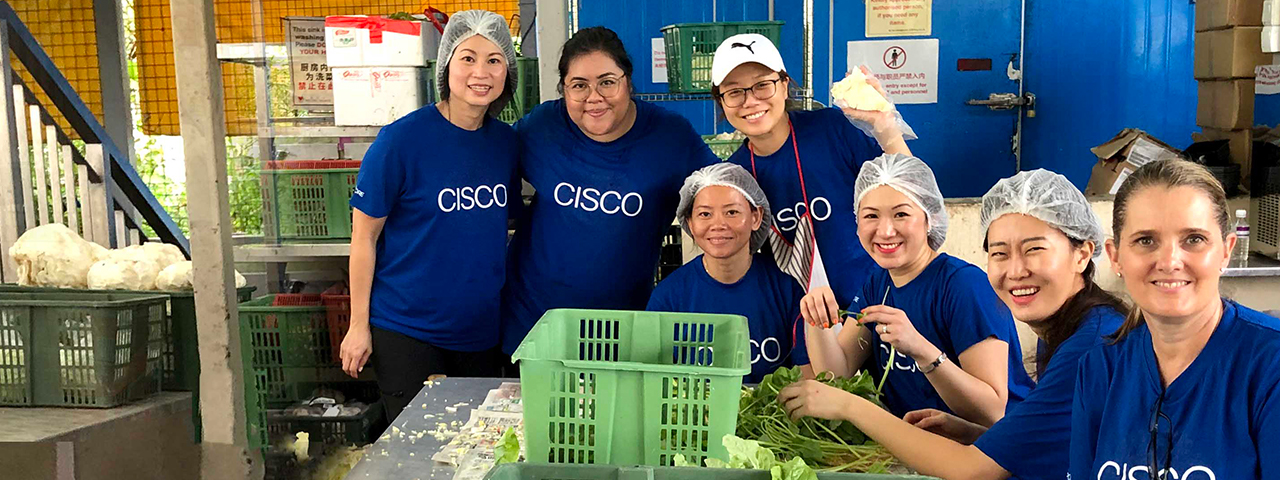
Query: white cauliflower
(120, 272)
(178, 277)
(54, 256)
(164, 254)
(854, 92)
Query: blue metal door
(969, 147)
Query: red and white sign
(908, 69)
(659, 51)
(1268, 80)
(312, 81)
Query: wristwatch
(927, 369)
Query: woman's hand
(357, 346)
(885, 124)
(819, 308)
(811, 398)
(945, 424)
(896, 329)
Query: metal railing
(46, 178)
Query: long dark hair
(1063, 323)
(591, 40)
(1167, 174)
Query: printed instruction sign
(1268, 81)
(908, 69)
(311, 79)
(899, 18)
(659, 55)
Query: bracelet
(927, 369)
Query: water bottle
(1240, 256)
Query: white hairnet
(910, 176)
(725, 174)
(1046, 196)
(463, 25)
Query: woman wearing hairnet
(727, 215)
(1041, 240)
(607, 169)
(806, 161)
(436, 183)
(930, 319)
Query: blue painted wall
(1098, 66)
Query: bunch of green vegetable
(749, 454)
(835, 445)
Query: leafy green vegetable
(400, 16)
(833, 444)
(508, 448)
(749, 454)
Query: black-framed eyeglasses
(1153, 445)
(762, 90)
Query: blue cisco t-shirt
(446, 194)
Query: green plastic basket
(308, 200)
(631, 388)
(526, 95)
(180, 363)
(691, 47)
(533, 471)
(722, 148)
(78, 348)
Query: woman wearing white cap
(941, 337)
(806, 161)
(436, 184)
(1041, 239)
(723, 209)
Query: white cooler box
(376, 96)
(361, 41)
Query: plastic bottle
(1240, 256)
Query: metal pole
(1022, 76)
(117, 115)
(771, 10)
(203, 126)
(808, 53)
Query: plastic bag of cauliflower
(54, 256)
(856, 91)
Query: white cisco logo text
(590, 199)
(761, 350)
(1112, 470)
(789, 218)
(900, 361)
(467, 198)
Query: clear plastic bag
(907, 132)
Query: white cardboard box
(362, 41)
(377, 96)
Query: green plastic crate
(691, 47)
(526, 95)
(533, 471)
(631, 388)
(722, 148)
(291, 385)
(180, 363)
(78, 348)
(308, 200)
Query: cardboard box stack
(1228, 49)
(379, 67)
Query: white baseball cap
(744, 48)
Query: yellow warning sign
(899, 18)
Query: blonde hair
(1165, 174)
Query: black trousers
(403, 363)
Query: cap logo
(744, 45)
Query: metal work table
(1259, 266)
(402, 457)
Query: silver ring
(884, 329)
